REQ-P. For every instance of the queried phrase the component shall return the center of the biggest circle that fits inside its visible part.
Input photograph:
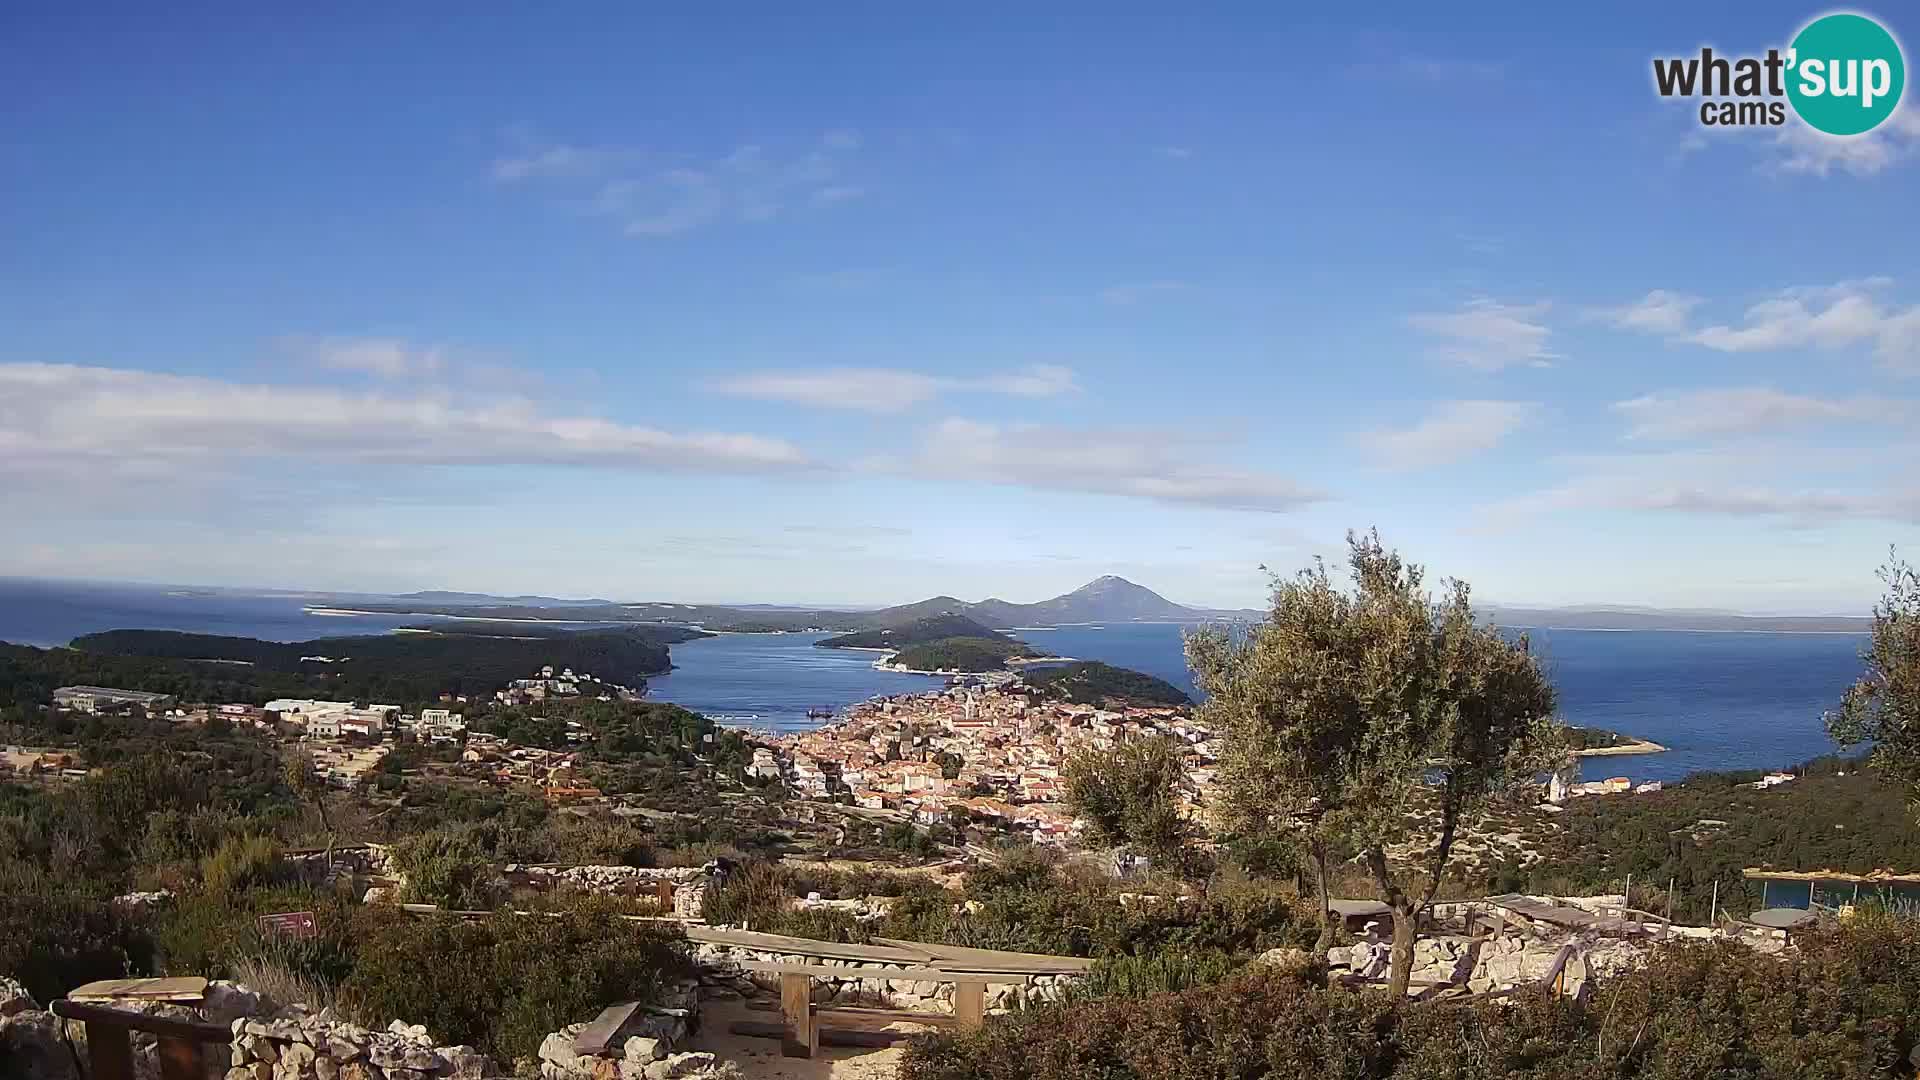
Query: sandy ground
(759, 1059)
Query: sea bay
(1716, 700)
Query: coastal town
(987, 750)
(981, 749)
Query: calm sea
(1717, 700)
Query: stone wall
(298, 1044)
(689, 882)
(721, 977)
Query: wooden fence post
(799, 1035)
(109, 1053)
(970, 1004)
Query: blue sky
(864, 306)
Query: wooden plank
(970, 1004)
(781, 943)
(828, 1036)
(797, 1038)
(93, 1015)
(957, 958)
(858, 971)
(179, 1059)
(186, 989)
(602, 1033)
(109, 1052)
(864, 1012)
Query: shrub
(242, 863)
(504, 982)
(446, 868)
(1845, 1005)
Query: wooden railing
(110, 1045)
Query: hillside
(969, 654)
(403, 667)
(916, 632)
(1093, 683)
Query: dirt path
(759, 1059)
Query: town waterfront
(1716, 700)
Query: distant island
(921, 631)
(1599, 742)
(1106, 599)
(405, 668)
(958, 655)
(1089, 682)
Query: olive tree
(1372, 717)
(1883, 707)
(1128, 795)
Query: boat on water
(819, 714)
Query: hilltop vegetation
(1838, 816)
(390, 667)
(969, 654)
(1089, 682)
(921, 631)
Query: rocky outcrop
(30, 1044)
(298, 1044)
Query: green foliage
(1884, 706)
(1837, 816)
(58, 931)
(1346, 713)
(242, 863)
(1126, 795)
(1089, 682)
(1592, 738)
(1026, 903)
(1847, 1005)
(960, 654)
(406, 668)
(503, 983)
(445, 867)
(1162, 971)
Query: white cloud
(386, 358)
(1693, 414)
(1799, 148)
(1790, 485)
(60, 419)
(663, 194)
(1487, 335)
(885, 390)
(1452, 431)
(1659, 312)
(1827, 317)
(1147, 464)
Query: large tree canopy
(1883, 708)
(1350, 713)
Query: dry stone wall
(298, 1044)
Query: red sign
(292, 924)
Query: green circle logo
(1845, 74)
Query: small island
(1089, 682)
(1599, 742)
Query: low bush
(504, 982)
(1845, 1005)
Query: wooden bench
(110, 1049)
(799, 1026)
